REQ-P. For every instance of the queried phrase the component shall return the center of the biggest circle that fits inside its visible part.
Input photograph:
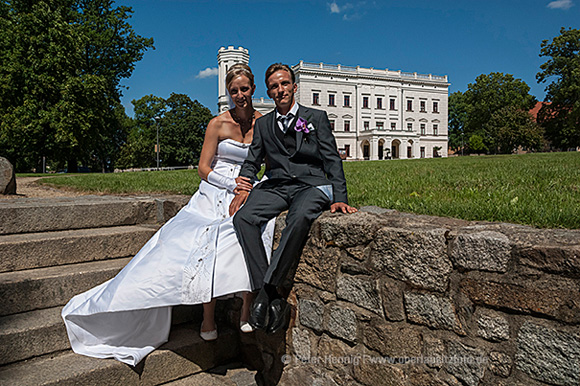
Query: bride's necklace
(244, 123)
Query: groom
(305, 176)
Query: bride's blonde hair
(237, 70)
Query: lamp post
(157, 119)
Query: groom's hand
(244, 185)
(342, 207)
(238, 201)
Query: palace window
(409, 105)
(380, 125)
(379, 103)
(435, 130)
(422, 104)
(435, 107)
(392, 104)
(366, 125)
(347, 150)
(315, 98)
(365, 102)
(409, 126)
(346, 125)
(347, 101)
(422, 151)
(393, 126)
(332, 124)
(422, 129)
(331, 100)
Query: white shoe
(245, 327)
(208, 335)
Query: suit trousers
(267, 200)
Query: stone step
(185, 354)
(48, 249)
(29, 215)
(234, 374)
(35, 333)
(41, 288)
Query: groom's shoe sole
(279, 316)
(259, 315)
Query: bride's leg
(248, 297)
(208, 323)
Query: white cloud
(561, 4)
(207, 73)
(334, 8)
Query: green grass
(541, 190)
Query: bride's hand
(244, 185)
(238, 201)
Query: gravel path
(27, 187)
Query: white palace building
(376, 114)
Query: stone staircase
(53, 249)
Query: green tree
(510, 128)
(561, 117)
(476, 145)
(488, 95)
(181, 132)
(61, 63)
(457, 117)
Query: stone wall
(386, 298)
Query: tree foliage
(561, 117)
(475, 112)
(61, 63)
(510, 128)
(182, 127)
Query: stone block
(371, 372)
(549, 355)
(493, 327)
(359, 290)
(47, 249)
(487, 251)
(559, 259)
(7, 177)
(341, 322)
(392, 295)
(318, 267)
(310, 313)
(63, 213)
(393, 340)
(301, 343)
(552, 299)
(434, 350)
(466, 363)
(500, 364)
(417, 256)
(336, 355)
(433, 311)
(55, 286)
(348, 231)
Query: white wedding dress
(193, 258)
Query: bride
(194, 258)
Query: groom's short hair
(277, 67)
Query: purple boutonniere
(303, 126)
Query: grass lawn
(541, 190)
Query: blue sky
(461, 39)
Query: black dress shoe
(259, 315)
(279, 315)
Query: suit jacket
(315, 162)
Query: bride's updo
(237, 70)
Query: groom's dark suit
(297, 165)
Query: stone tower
(227, 57)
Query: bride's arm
(208, 151)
